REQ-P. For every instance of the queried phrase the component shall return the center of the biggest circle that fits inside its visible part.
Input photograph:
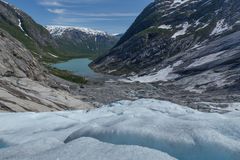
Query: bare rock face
(21, 26)
(24, 82)
(16, 60)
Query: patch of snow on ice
(184, 26)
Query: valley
(166, 89)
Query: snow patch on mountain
(20, 25)
(164, 75)
(177, 3)
(60, 30)
(221, 26)
(164, 26)
(184, 27)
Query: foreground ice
(139, 130)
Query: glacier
(142, 129)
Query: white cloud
(67, 20)
(57, 11)
(103, 14)
(50, 3)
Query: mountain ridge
(165, 32)
(57, 30)
(21, 26)
(80, 41)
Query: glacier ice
(142, 129)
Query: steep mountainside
(25, 85)
(21, 26)
(193, 43)
(76, 41)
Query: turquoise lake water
(77, 66)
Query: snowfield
(126, 130)
(60, 30)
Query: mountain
(25, 84)
(22, 27)
(190, 43)
(77, 41)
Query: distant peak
(59, 30)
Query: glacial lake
(78, 66)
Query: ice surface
(142, 129)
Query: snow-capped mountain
(60, 30)
(82, 41)
(25, 84)
(190, 43)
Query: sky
(113, 16)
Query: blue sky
(113, 16)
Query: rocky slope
(193, 44)
(76, 41)
(26, 86)
(22, 27)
